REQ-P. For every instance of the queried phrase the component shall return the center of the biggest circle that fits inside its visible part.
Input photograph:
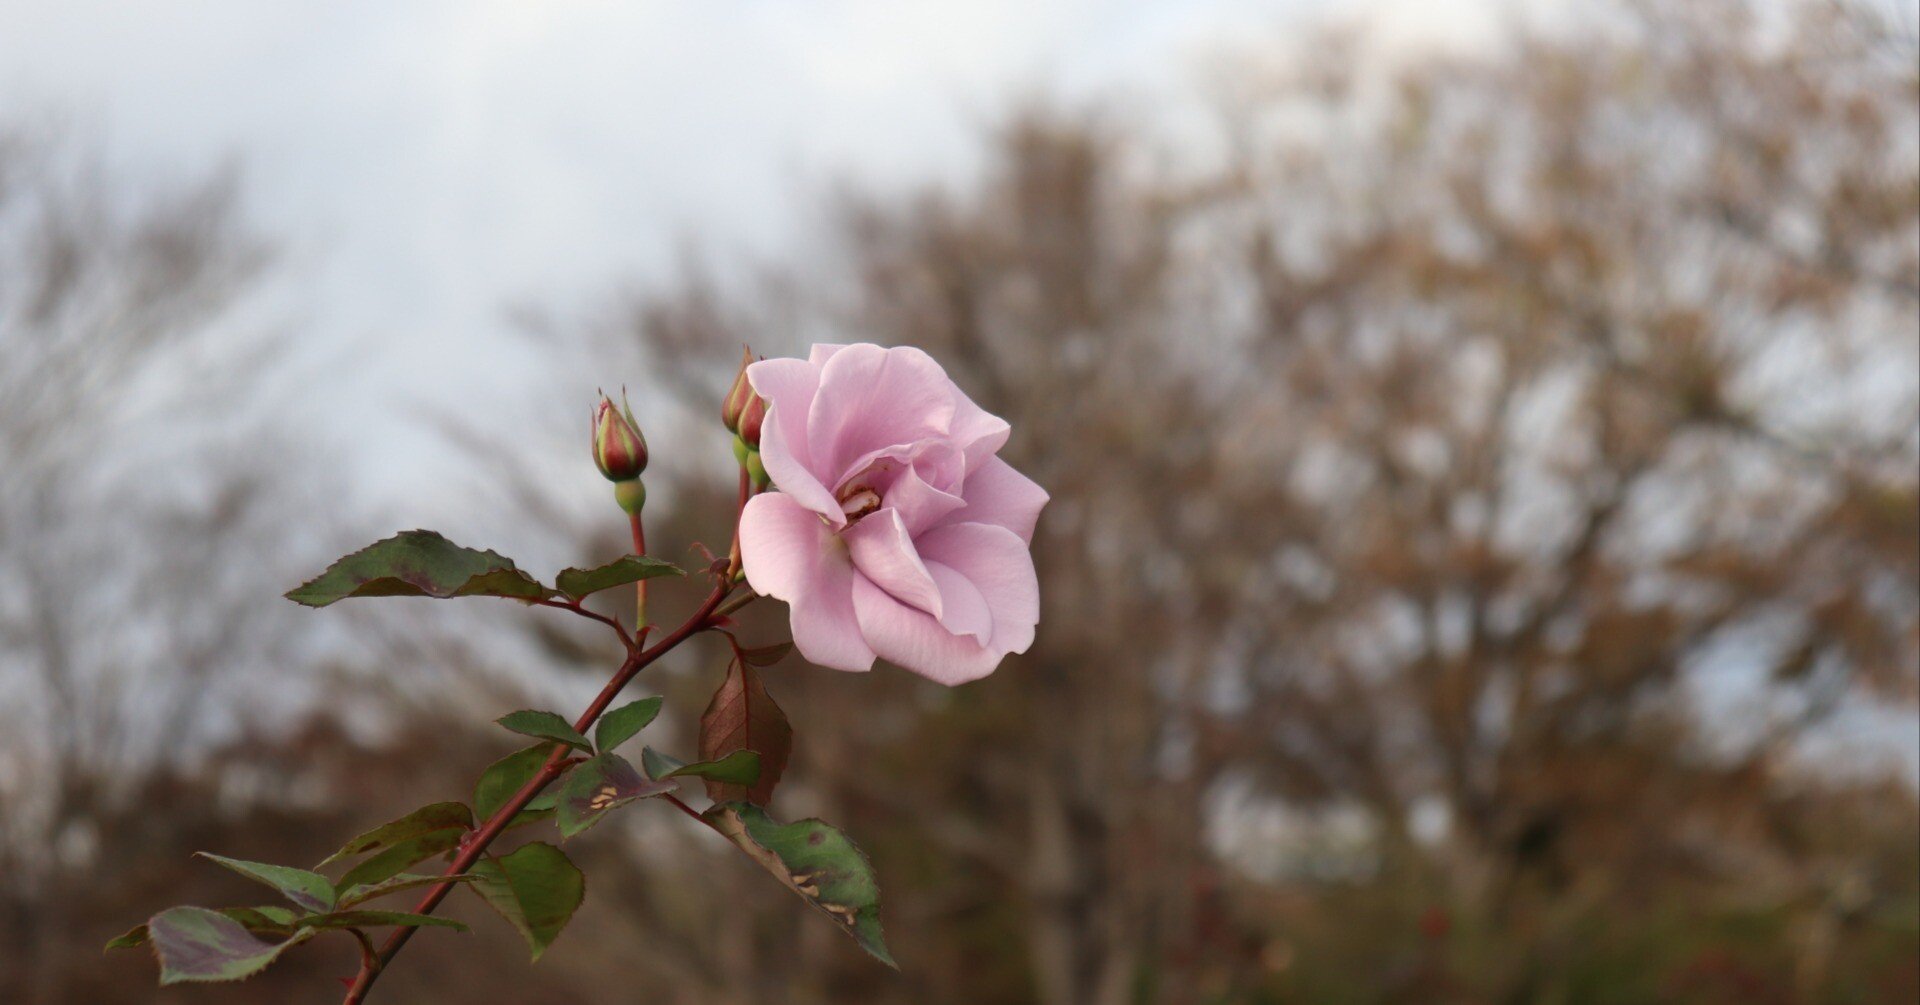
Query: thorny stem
(369, 956)
(476, 845)
(716, 606)
(708, 615)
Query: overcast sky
(427, 164)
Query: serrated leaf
(545, 726)
(195, 944)
(419, 563)
(816, 861)
(765, 656)
(579, 583)
(536, 888)
(378, 919)
(351, 896)
(506, 776)
(603, 783)
(742, 716)
(398, 859)
(619, 725)
(309, 890)
(421, 822)
(742, 767)
(272, 920)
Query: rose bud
(752, 417)
(738, 394)
(618, 448)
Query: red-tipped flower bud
(752, 417)
(738, 394)
(618, 448)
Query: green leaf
(351, 896)
(528, 817)
(742, 716)
(421, 822)
(536, 888)
(657, 765)
(376, 919)
(506, 776)
(742, 767)
(578, 583)
(619, 725)
(271, 920)
(398, 859)
(599, 785)
(546, 726)
(419, 563)
(309, 890)
(816, 861)
(195, 944)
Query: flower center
(857, 501)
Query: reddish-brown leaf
(765, 656)
(742, 716)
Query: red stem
(640, 625)
(636, 661)
(733, 554)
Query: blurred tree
(1514, 453)
(1478, 482)
(131, 443)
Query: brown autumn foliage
(1480, 485)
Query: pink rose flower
(895, 532)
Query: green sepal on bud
(619, 451)
(630, 494)
(757, 470)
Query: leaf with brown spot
(603, 783)
(742, 716)
(816, 861)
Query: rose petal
(941, 466)
(915, 641)
(788, 553)
(964, 610)
(977, 432)
(821, 352)
(884, 553)
(870, 399)
(790, 387)
(998, 564)
(997, 494)
(919, 504)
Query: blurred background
(1484, 563)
